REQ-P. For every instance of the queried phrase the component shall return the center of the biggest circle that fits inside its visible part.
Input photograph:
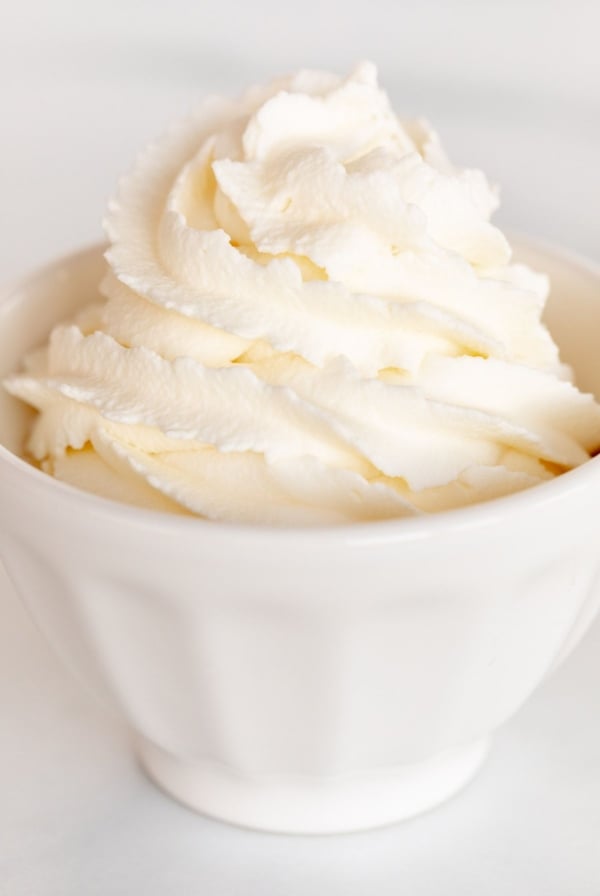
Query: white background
(513, 87)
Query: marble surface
(513, 87)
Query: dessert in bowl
(334, 655)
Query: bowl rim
(424, 526)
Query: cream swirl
(309, 318)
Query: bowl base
(310, 805)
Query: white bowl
(314, 680)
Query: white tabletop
(513, 87)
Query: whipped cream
(308, 318)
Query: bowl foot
(311, 805)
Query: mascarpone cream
(308, 318)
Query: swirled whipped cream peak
(307, 318)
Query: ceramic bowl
(314, 680)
